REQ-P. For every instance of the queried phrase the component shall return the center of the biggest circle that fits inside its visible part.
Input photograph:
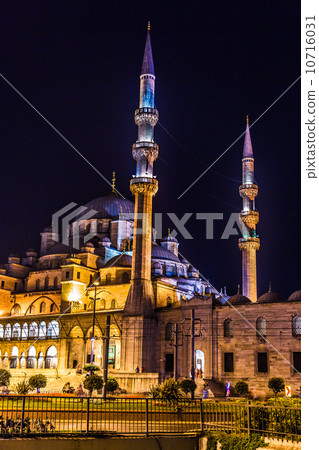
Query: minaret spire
(139, 318)
(144, 186)
(249, 243)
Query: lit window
(261, 327)
(296, 326)
(228, 328)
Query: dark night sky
(79, 62)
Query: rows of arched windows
(46, 284)
(30, 359)
(34, 330)
(44, 308)
(261, 327)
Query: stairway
(216, 389)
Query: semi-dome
(270, 297)
(109, 206)
(159, 252)
(295, 296)
(123, 260)
(238, 299)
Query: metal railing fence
(55, 415)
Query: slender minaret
(249, 243)
(143, 186)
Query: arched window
(113, 304)
(51, 358)
(42, 330)
(33, 330)
(169, 328)
(53, 307)
(24, 334)
(46, 282)
(100, 227)
(14, 357)
(16, 331)
(42, 307)
(31, 309)
(85, 306)
(125, 277)
(296, 326)
(7, 333)
(108, 278)
(53, 329)
(1, 331)
(37, 285)
(169, 301)
(16, 309)
(261, 327)
(228, 328)
(31, 358)
(40, 360)
(55, 283)
(22, 361)
(102, 304)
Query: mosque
(124, 300)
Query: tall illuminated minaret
(249, 243)
(143, 186)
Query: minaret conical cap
(148, 65)
(248, 148)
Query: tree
(188, 385)
(38, 381)
(241, 388)
(93, 382)
(111, 384)
(22, 388)
(5, 376)
(91, 368)
(170, 390)
(276, 384)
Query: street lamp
(96, 283)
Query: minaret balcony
(250, 218)
(146, 115)
(248, 190)
(147, 150)
(144, 185)
(249, 243)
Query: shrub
(242, 388)
(22, 388)
(235, 442)
(5, 376)
(38, 381)
(91, 368)
(276, 384)
(170, 390)
(187, 386)
(93, 382)
(111, 384)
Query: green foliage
(93, 382)
(242, 388)
(283, 401)
(187, 385)
(211, 442)
(22, 388)
(170, 390)
(235, 442)
(91, 368)
(38, 381)
(111, 384)
(276, 384)
(5, 376)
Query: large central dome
(109, 206)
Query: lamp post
(93, 325)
